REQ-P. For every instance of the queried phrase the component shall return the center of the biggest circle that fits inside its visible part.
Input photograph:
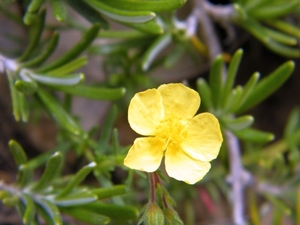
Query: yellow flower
(166, 116)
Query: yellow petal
(182, 167)
(145, 154)
(179, 100)
(145, 112)
(204, 138)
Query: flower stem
(154, 182)
(152, 187)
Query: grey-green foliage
(152, 29)
(54, 193)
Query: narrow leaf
(74, 52)
(51, 211)
(77, 179)
(44, 54)
(150, 27)
(59, 10)
(231, 74)
(156, 47)
(149, 5)
(292, 123)
(88, 12)
(67, 80)
(107, 127)
(205, 94)
(253, 135)
(109, 192)
(93, 92)
(43, 158)
(29, 210)
(281, 37)
(274, 10)
(24, 176)
(238, 123)
(116, 212)
(26, 87)
(36, 30)
(58, 113)
(215, 80)
(69, 67)
(268, 85)
(34, 5)
(14, 95)
(247, 90)
(284, 27)
(78, 198)
(18, 152)
(121, 15)
(86, 216)
(52, 170)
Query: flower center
(172, 130)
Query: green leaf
(281, 37)
(50, 210)
(4, 194)
(88, 12)
(107, 127)
(119, 47)
(26, 87)
(253, 135)
(248, 88)
(24, 176)
(109, 192)
(254, 4)
(268, 85)
(29, 17)
(43, 158)
(149, 5)
(234, 100)
(115, 212)
(52, 170)
(292, 123)
(274, 10)
(58, 113)
(77, 179)
(75, 199)
(256, 29)
(29, 210)
(20, 110)
(69, 67)
(231, 75)
(284, 27)
(36, 30)
(59, 10)
(93, 92)
(121, 15)
(156, 47)
(67, 80)
(10, 201)
(86, 216)
(205, 94)
(151, 27)
(18, 152)
(34, 5)
(74, 52)
(239, 123)
(44, 54)
(215, 80)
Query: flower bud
(153, 215)
(171, 217)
